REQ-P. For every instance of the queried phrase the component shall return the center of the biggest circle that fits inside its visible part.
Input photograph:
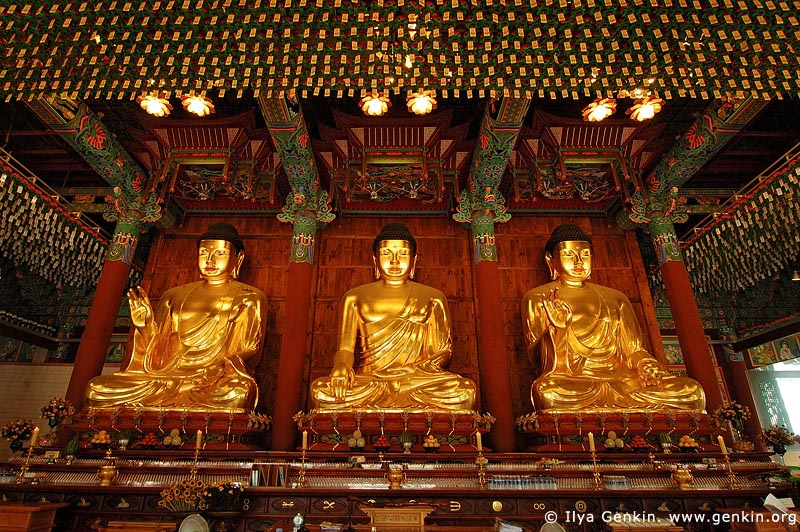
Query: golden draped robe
(191, 359)
(401, 361)
(593, 363)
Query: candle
(478, 441)
(722, 445)
(305, 440)
(591, 442)
(34, 436)
(199, 440)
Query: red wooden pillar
(294, 342)
(744, 395)
(688, 325)
(492, 353)
(103, 312)
(493, 358)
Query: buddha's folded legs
(179, 391)
(449, 392)
(121, 389)
(582, 393)
(366, 392)
(674, 393)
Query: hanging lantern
(645, 108)
(154, 105)
(600, 109)
(375, 104)
(421, 102)
(199, 105)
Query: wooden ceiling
(550, 126)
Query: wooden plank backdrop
(343, 260)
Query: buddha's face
(217, 260)
(394, 260)
(571, 261)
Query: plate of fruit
(149, 441)
(100, 440)
(613, 442)
(639, 445)
(431, 444)
(382, 443)
(687, 444)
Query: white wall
(26, 388)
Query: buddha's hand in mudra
(558, 311)
(141, 308)
(650, 372)
(341, 380)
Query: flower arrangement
(17, 430)
(57, 408)
(779, 437)
(732, 412)
(223, 495)
(187, 495)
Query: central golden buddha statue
(189, 353)
(589, 344)
(404, 332)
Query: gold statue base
(454, 431)
(221, 430)
(661, 430)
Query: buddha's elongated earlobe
(413, 268)
(548, 258)
(238, 267)
(375, 265)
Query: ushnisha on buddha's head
(568, 253)
(220, 253)
(394, 253)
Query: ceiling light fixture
(599, 109)
(154, 105)
(375, 104)
(421, 102)
(645, 108)
(199, 105)
(796, 276)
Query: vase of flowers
(17, 432)
(223, 497)
(734, 415)
(779, 438)
(56, 410)
(187, 495)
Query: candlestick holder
(597, 482)
(302, 482)
(194, 470)
(481, 462)
(733, 480)
(22, 475)
(108, 472)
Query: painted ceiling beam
(658, 197)
(496, 142)
(307, 205)
(132, 195)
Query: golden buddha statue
(189, 353)
(404, 331)
(589, 344)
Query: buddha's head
(220, 253)
(394, 253)
(568, 253)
